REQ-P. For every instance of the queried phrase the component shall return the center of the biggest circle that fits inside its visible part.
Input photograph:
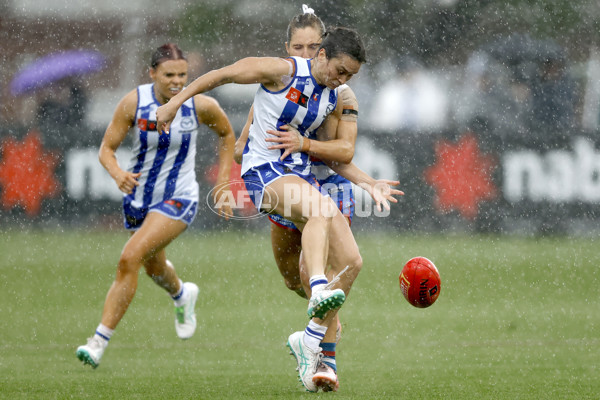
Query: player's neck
(161, 99)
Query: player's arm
(380, 189)
(211, 114)
(269, 71)
(118, 128)
(240, 144)
(343, 126)
(336, 137)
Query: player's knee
(129, 263)
(355, 264)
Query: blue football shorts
(257, 178)
(177, 209)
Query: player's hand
(287, 138)
(126, 181)
(383, 193)
(164, 116)
(222, 198)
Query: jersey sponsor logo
(187, 123)
(328, 110)
(174, 203)
(132, 221)
(296, 96)
(146, 125)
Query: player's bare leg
(184, 295)
(346, 263)
(162, 272)
(286, 245)
(343, 253)
(154, 235)
(305, 206)
(312, 213)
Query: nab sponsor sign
(558, 176)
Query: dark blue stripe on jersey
(141, 156)
(142, 152)
(181, 156)
(185, 111)
(288, 113)
(290, 109)
(313, 109)
(179, 160)
(161, 153)
(247, 146)
(333, 98)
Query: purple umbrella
(53, 67)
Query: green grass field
(517, 318)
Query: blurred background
(486, 111)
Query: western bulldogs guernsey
(166, 161)
(303, 104)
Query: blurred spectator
(61, 115)
(518, 88)
(409, 100)
(494, 99)
(554, 97)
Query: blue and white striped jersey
(303, 104)
(166, 161)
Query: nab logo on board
(557, 176)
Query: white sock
(104, 333)
(317, 282)
(180, 297)
(313, 335)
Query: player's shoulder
(131, 96)
(204, 102)
(128, 103)
(346, 92)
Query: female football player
(304, 35)
(299, 93)
(160, 190)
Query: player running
(160, 190)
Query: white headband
(307, 10)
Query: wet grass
(517, 318)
